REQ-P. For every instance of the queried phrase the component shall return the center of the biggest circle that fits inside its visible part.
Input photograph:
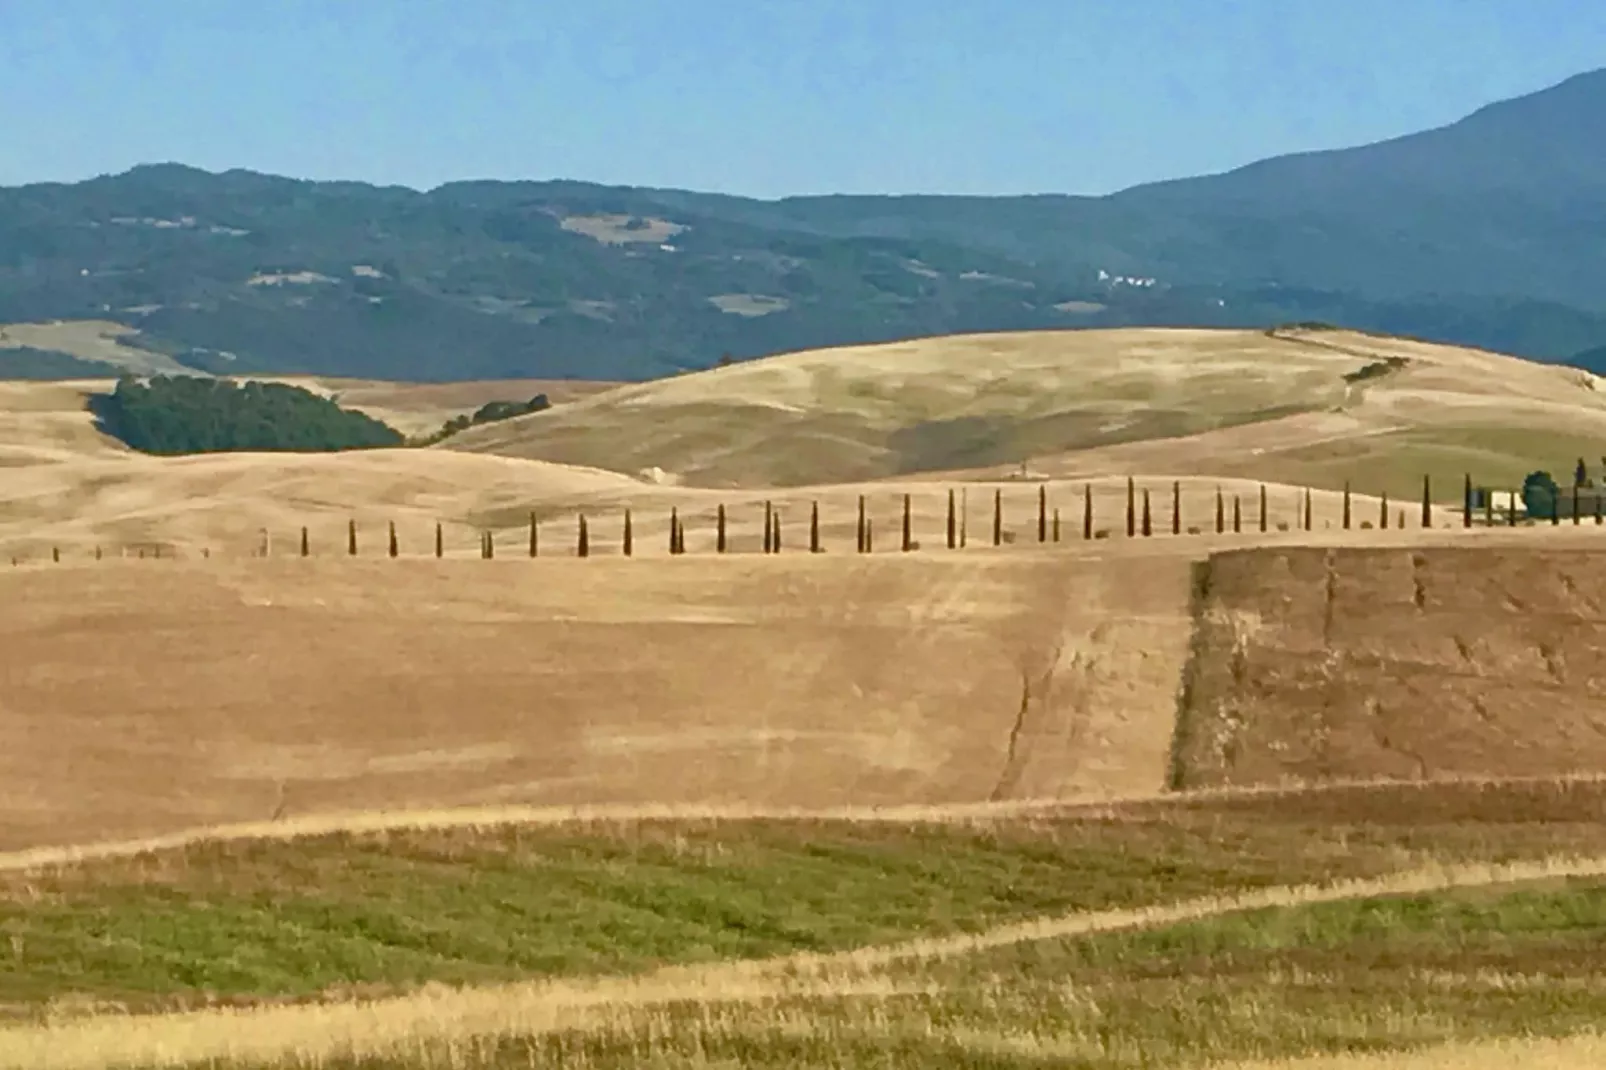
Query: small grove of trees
(1540, 495)
(490, 412)
(1376, 369)
(188, 414)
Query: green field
(1344, 977)
(332, 919)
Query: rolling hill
(1453, 234)
(1291, 405)
(1210, 408)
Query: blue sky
(759, 97)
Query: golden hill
(1249, 404)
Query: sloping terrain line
(400, 1025)
(1585, 1051)
(360, 822)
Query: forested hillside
(1486, 232)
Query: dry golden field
(836, 809)
(1143, 401)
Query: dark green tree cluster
(188, 414)
(1540, 495)
(488, 413)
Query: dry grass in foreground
(655, 935)
(1413, 959)
(1581, 1051)
(387, 911)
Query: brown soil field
(1317, 663)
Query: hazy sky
(761, 97)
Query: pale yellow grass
(622, 229)
(1583, 1052)
(406, 1024)
(414, 409)
(1069, 403)
(417, 409)
(225, 503)
(742, 304)
(47, 423)
(98, 340)
(73, 488)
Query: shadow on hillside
(103, 407)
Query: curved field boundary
(359, 822)
(405, 1025)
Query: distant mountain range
(1489, 232)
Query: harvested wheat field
(144, 697)
(1254, 405)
